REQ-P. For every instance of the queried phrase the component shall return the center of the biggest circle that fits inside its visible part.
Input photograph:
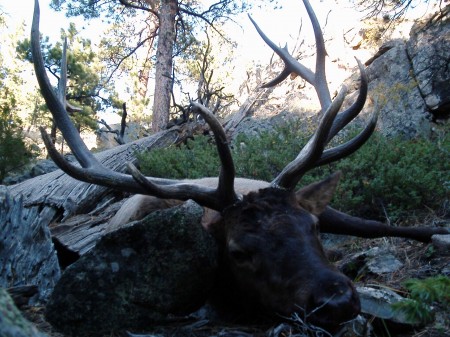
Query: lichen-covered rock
(378, 303)
(12, 323)
(394, 90)
(142, 273)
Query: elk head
(271, 249)
(269, 240)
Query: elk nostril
(336, 303)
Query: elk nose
(336, 301)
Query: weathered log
(28, 209)
(27, 256)
(78, 234)
(70, 196)
(21, 295)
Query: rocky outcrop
(409, 84)
(409, 81)
(429, 52)
(394, 93)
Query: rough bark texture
(78, 234)
(27, 256)
(163, 66)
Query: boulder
(145, 272)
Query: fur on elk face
(274, 256)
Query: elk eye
(238, 254)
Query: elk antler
(313, 154)
(92, 171)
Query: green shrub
(386, 176)
(397, 176)
(424, 294)
(198, 158)
(14, 152)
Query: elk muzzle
(333, 302)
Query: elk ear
(316, 196)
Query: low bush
(386, 177)
(432, 291)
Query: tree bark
(163, 66)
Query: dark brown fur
(273, 262)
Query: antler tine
(346, 149)
(227, 174)
(92, 171)
(320, 84)
(313, 150)
(291, 65)
(224, 194)
(307, 159)
(350, 113)
(63, 121)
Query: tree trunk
(163, 67)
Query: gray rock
(442, 243)
(428, 49)
(376, 260)
(163, 265)
(392, 85)
(409, 81)
(382, 261)
(378, 303)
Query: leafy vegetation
(424, 294)
(88, 88)
(13, 151)
(394, 177)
